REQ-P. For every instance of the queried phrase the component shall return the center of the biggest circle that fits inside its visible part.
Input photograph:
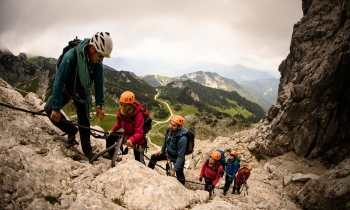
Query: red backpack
(147, 126)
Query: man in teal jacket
(174, 148)
(80, 68)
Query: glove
(125, 151)
(200, 179)
(222, 173)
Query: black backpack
(190, 141)
(71, 44)
(147, 126)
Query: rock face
(311, 115)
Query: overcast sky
(253, 33)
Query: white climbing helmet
(103, 43)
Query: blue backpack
(222, 160)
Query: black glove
(125, 151)
(200, 179)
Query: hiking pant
(112, 139)
(237, 186)
(228, 182)
(82, 115)
(209, 185)
(179, 173)
(138, 156)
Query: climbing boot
(71, 139)
(90, 155)
(107, 156)
(224, 193)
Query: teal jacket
(175, 152)
(65, 77)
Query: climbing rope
(42, 114)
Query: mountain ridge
(252, 90)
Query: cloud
(253, 33)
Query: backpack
(147, 120)
(190, 141)
(71, 44)
(147, 125)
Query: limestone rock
(299, 177)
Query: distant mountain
(265, 87)
(141, 67)
(236, 72)
(158, 80)
(154, 66)
(116, 82)
(211, 100)
(251, 91)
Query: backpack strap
(179, 137)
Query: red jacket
(132, 125)
(242, 175)
(210, 172)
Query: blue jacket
(232, 166)
(175, 152)
(65, 76)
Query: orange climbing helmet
(178, 119)
(249, 167)
(216, 155)
(127, 97)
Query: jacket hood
(81, 46)
(137, 109)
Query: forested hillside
(211, 100)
